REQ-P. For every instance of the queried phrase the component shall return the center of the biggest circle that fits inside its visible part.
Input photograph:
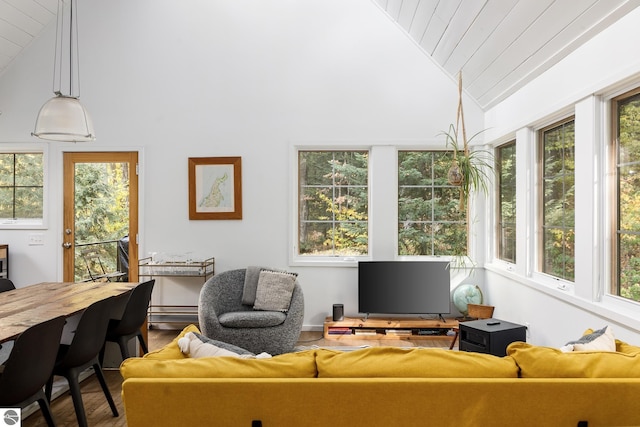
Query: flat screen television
(404, 287)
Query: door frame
(69, 160)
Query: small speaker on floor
(338, 312)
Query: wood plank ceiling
(499, 45)
(21, 21)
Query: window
(333, 203)
(21, 188)
(430, 221)
(626, 252)
(506, 209)
(558, 200)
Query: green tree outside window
(558, 200)
(627, 283)
(101, 212)
(506, 224)
(21, 186)
(429, 219)
(333, 203)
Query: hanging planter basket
(469, 169)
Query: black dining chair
(29, 367)
(129, 326)
(83, 353)
(6, 285)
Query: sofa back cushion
(547, 362)
(290, 365)
(624, 347)
(393, 362)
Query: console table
(388, 328)
(166, 313)
(490, 336)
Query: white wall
(580, 85)
(245, 78)
(251, 78)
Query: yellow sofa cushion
(393, 362)
(172, 350)
(290, 365)
(547, 362)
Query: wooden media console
(380, 328)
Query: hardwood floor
(97, 409)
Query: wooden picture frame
(215, 188)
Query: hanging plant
(470, 169)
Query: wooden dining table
(24, 307)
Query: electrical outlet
(528, 329)
(36, 239)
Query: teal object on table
(464, 294)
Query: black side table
(490, 336)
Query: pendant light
(63, 117)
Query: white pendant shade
(63, 118)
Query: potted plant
(470, 169)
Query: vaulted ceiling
(498, 45)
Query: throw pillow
(274, 290)
(251, 277)
(192, 345)
(621, 346)
(224, 345)
(172, 350)
(600, 340)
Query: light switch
(36, 239)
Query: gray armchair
(224, 317)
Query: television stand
(388, 328)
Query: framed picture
(215, 188)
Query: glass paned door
(100, 216)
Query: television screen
(404, 287)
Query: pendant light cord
(73, 53)
(71, 48)
(57, 59)
(74, 26)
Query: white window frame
(497, 207)
(544, 277)
(590, 292)
(383, 200)
(460, 259)
(295, 259)
(610, 197)
(30, 224)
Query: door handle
(66, 245)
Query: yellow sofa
(384, 386)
